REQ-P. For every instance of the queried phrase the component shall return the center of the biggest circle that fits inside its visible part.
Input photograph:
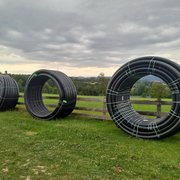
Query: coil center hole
(148, 95)
(50, 95)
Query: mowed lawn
(79, 148)
(152, 108)
(137, 107)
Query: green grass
(79, 103)
(152, 108)
(77, 148)
(137, 107)
(165, 108)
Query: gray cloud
(83, 33)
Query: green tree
(20, 84)
(160, 90)
(141, 88)
(102, 84)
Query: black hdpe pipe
(34, 100)
(118, 97)
(9, 92)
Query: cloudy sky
(86, 37)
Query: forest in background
(96, 86)
(91, 86)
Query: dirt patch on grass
(30, 133)
(61, 125)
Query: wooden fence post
(158, 108)
(104, 109)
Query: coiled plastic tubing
(118, 97)
(9, 92)
(34, 100)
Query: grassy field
(78, 148)
(137, 107)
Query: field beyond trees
(79, 148)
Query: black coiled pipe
(118, 97)
(34, 100)
(9, 92)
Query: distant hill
(151, 78)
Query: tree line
(157, 89)
(92, 86)
(96, 86)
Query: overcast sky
(86, 37)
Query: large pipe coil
(118, 97)
(34, 99)
(9, 92)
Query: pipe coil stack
(118, 97)
(9, 92)
(34, 100)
